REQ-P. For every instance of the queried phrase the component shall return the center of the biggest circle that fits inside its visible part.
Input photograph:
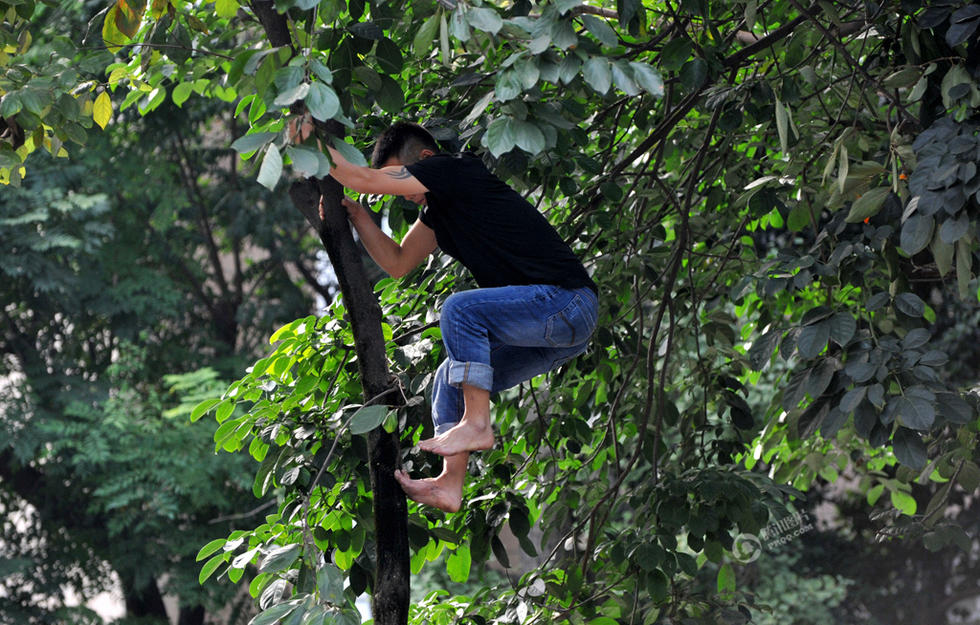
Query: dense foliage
(778, 201)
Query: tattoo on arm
(399, 174)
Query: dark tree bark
(275, 26)
(391, 581)
(144, 602)
(191, 616)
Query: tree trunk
(391, 582)
(191, 616)
(144, 602)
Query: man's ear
(426, 153)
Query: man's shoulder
(450, 168)
(457, 158)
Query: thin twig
(159, 45)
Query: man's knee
(454, 310)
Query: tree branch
(190, 181)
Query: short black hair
(404, 140)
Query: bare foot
(464, 436)
(434, 491)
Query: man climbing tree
(535, 309)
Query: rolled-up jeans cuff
(442, 428)
(475, 374)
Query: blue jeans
(497, 338)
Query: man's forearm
(391, 180)
(382, 248)
(346, 173)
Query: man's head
(405, 143)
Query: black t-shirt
(490, 228)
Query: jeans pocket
(572, 325)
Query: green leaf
(860, 371)
(903, 501)
(368, 77)
(564, 6)
(444, 40)
(842, 328)
(563, 34)
(910, 304)
(849, 402)
(274, 614)
(782, 126)
(964, 263)
(304, 160)
(478, 108)
(368, 418)
(916, 234)
(597, 74)
(226, 8)
(322, 101)
(499, 137)
(601, 30)
(813, 339)
(271, 169)
(909, 448)
(485, 19)
(210, 548)
(349, 152)
(292, 94)
(10, 105)
(623, 78)
(330, 584)
(367, 30)
(288, 78)
(224, 410)
(675, 54)
(210, 566)
(264, 476)
(321, 72)
(528, 137)
(726, 579)
(694, 73)
(867, 205)
(458, 26)
(569, 68)
(389, 56)
(874, 493)
(280, 558)
(182, 92)
(527, 72)
(943, 253)
(508, 85)
(390, 98)
(763, 349)
(904, 77)
(953, 229)
(648, 78)
(458, 564)
(426, 35)
(31, 100)
(954, 408)
(252, 142)
(915, 412)
(203, 407)
(915, 338)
